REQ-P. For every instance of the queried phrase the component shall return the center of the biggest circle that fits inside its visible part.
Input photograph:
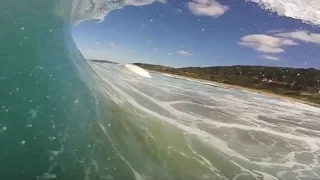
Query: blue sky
(201, 33)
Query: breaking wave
(63, 118)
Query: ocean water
(62, 117)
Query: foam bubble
(22, 142)
(33, 113)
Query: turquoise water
(48, 113)
(62, 117)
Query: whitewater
(63, 117)
(211, 132)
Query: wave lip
(83, 10)
(137, 70)
(308, 11)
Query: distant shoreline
(295, 84)
(229, 86)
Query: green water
(41, 88)
(55, 124)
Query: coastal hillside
(298, 83)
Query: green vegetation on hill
(298, 83)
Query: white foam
(137, 70)
(97, 9)
(306, 10)
(277, 141)
(266, 176)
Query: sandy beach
(223, 85)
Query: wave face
(62, 118)
(190, 130)
(53, 116)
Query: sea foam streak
(255, 136)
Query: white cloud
(169, 54)
(269, 57)
(266, 44)
(306, 10)
(156, 49)
(184, 53)
(207, 8)
(304, 36)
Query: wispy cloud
(179, 10)
(304, 36)
(113, 44)
(207, 8)
(155, 49)
(184, 53)
(269, 57)
(169, 54)
(149, 42)
(265, 43)
(306, 10)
